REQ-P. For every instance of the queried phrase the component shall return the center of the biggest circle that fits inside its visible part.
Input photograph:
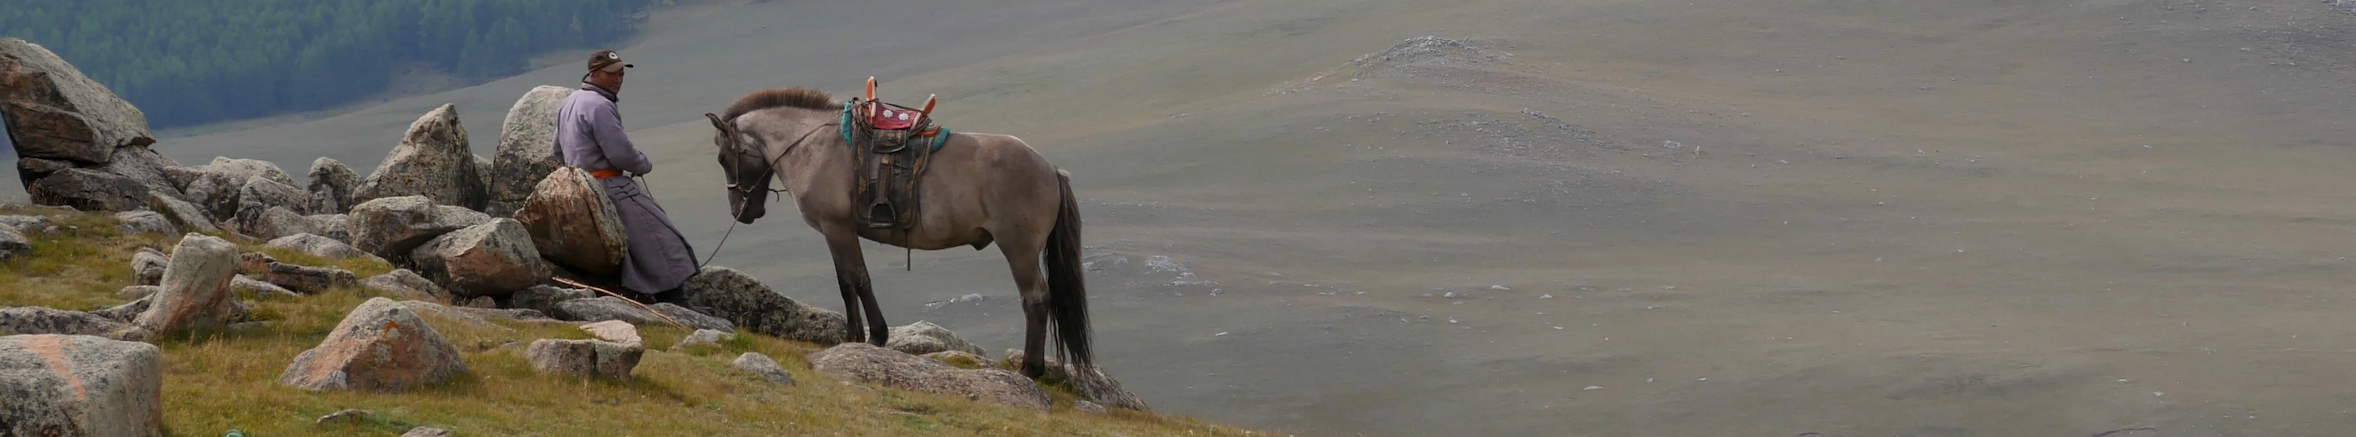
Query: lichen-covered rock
(961, 359)
(407, 284)
(614, 308)
(317, 245)
(574, 224)
(72, 385)
(494, 258)
(257, 287)
(271, 223)
(216, 186)
(331, 187)
(300, 279)
(1093, 384)
(393, 227)
(381, 346)
(33, 169)
(38, 320)
(432, 161)
(196, 218)
(614, 331)
(145, 222)
(592, 358)
(737, 297)
(147, 266)
(55, 112)
(196, 287)
(527, 146)
(144, 165)
(761, 366)
(925, 337)
(702, 337)
(259, 195)
(866, 363)
(544, 298)
(89, 190)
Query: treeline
(187, 62)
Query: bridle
(749, 192)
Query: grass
(223, 380)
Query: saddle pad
(892, 118)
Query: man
(589, 137)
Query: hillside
(222, 380)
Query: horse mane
(797, 97)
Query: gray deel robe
(589, 137)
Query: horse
(977, 189)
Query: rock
(573, 222)
(61, 385)
(145, 222)
(446, 312)
(130, 311)
(381, 346)
(345, 417)
(432, 161)
(614, 308)
(544, 298)
(426, 432)
(53, 111)
(1089, 407)
(527, 145)
(27, 223)
(260, 195)
(869, 364)
(317, 245)
(961, 359)
(38, 320)
(925, 337)
(217, 186)
(402, 282)
(756, 364)
(136, 292)
(33, 169)
(196, 287)
(737, 297)
(482, 167)
(89, 190)
(147, 266)
(331, 187)
(144, 165)
(301, 279)
(483, 302)
(337, 227)
(593, 358)
(614, 331)
(702, 337)
(182, 212)
(494, 258)
(259, 288)
(1092, 384)
(392, 227)
(1055, 367)
(12, 243)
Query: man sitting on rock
(589, 137)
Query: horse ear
(716, 123)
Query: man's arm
(616, 144)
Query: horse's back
(981, 187)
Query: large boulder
(527, 147)
(72, 385)
(332, 184)
(925, 337)
(381, 346)
(272, 223)
(392, 227)
(574, 224)
(317, 245)
(196, 287)
(494, 258)
(259, 195)
(144, 165)
(866, 363)
(592, 358)
(53, 111)
(432, 161)
(300, 279)
(89, 190)
(38, 320)
(215, 186)
(733, 295)
(33, 169)
(405, 283)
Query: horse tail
(1067, 291)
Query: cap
(607, 61)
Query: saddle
(887, 168)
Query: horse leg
(1030, 284)
(850, 275)
(878, 332)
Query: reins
(734, 147)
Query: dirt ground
(1594, 217)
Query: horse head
(746, 168)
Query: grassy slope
(221, 381)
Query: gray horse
(977, 189)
